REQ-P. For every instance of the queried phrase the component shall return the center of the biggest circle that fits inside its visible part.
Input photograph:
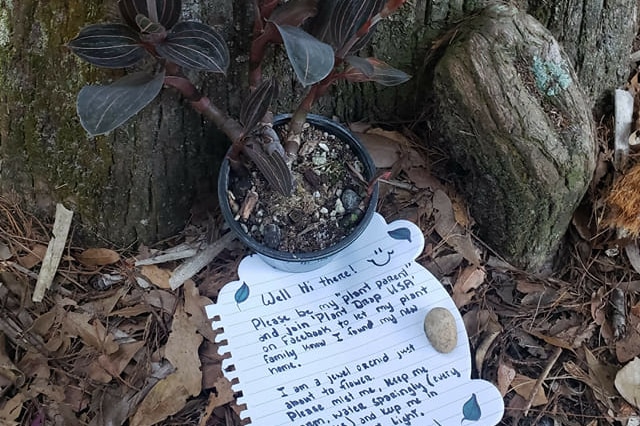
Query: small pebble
(339, 208)
(351, 218)
(319, 158)
(350, 199)
(272, 236)
(440, 328)
(324, 210)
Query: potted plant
(269, 161)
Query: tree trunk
(141, 181)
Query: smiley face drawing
(345, 344)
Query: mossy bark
(515, 119)
(140, 182)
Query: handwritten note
(344, 344)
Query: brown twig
(541, 379)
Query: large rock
(514, 118)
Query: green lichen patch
(551, 77)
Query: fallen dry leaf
(194, 305)
(157, 275)
(98, 257)
(603, 375)
(506, 374)
(170, 394)
(116, 362)
(11, 409)
(182, 350)
(469, 279)
(384, 151)
(167, 397)
(627, 382)
(628, 347)
(90, 330)
(223, 395)
(450, 231)
(524, 385)
(34, 257)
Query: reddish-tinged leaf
(312, 60)
(195, 46)
(108, 45)
(257, 104)
(348, 19)
(372, 69)
(271, 164)
(294, 12)
(390, 7)
(165, 12)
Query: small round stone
(272, 236)
(350, 199)
(440, 328)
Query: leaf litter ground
(115, 340)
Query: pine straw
(624, 202)
(554, 334)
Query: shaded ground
(112, 340)
(109, 329)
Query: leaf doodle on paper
(400, 234)
(471, 409)
(242, 293)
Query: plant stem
(299, 117)
(203, 105)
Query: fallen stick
(195, 264)
(54, 252)
(542, 378)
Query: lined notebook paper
(345, 345)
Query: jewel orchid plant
(321, 39)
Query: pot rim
(345, 135)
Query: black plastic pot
(302, 262)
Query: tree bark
(140, 182)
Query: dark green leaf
(271, 163)
(312, 60)
(294, 12)
(257, 104)
(103, 108)
(383, 73)
(195, 46)
(108, 45)
(164, 12)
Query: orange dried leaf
(469, 279)
(167, 397)
(34, 257)
(98, 257)
(194, 305)
(624, 203)
(182, 351)
(158, 276)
